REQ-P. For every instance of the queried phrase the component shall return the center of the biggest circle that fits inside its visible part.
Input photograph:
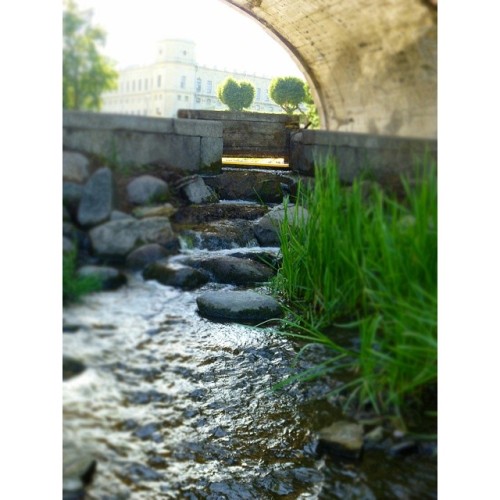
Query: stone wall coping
(203, 114)
(110, 121)
(357, 140)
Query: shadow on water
(172, 405)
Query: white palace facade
(175, 81)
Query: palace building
(176, 81)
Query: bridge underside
(371, 64)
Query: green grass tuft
(370, 260)
(74, 286)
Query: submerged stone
(186, 278)
(343, 439)
(246, 307)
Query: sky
(224, 37)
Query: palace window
(209, 86)
(183, 82)
(198, 85)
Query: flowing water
(176, 406)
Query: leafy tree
(288, 92)
(311, 113)
(86, 73)
(236, 95)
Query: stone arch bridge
(371, 64)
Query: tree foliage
(236, 95)
(288, 92)
(86, 73)
(311, 113)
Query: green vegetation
(288, 92)
(311, 113)
(74, 286)
(236, 95)
(86, 73)
(366, 262)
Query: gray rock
(72, 194)
(266, 229)
(196, 191)
(232, 270)
(118, 238)
(245, 307)
(343, 439)
(75, 167)
(146, 189)
(186, 278)
(110, 278)
(147, 254)
(97, 201)
(68, 245)
(117, 215)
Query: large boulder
(98, 197)
(266, 229)
(146, 189)
(244, 307)
(118, 238)
(75, 167)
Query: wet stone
(185, 278)
(238, 306)
(72, 367)
(342, 439)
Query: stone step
(259, 185)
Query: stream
(172, 405)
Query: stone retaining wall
(190, 145)
(383, 156)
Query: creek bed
(173, 405)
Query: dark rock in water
(146, 189)
(246, 307)
(98, 198)
(200, 214)
(231, 270)
(110, 278)
(343, 439)
(147, 254)
(72, 367)
(404, 448)
(186, 278)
